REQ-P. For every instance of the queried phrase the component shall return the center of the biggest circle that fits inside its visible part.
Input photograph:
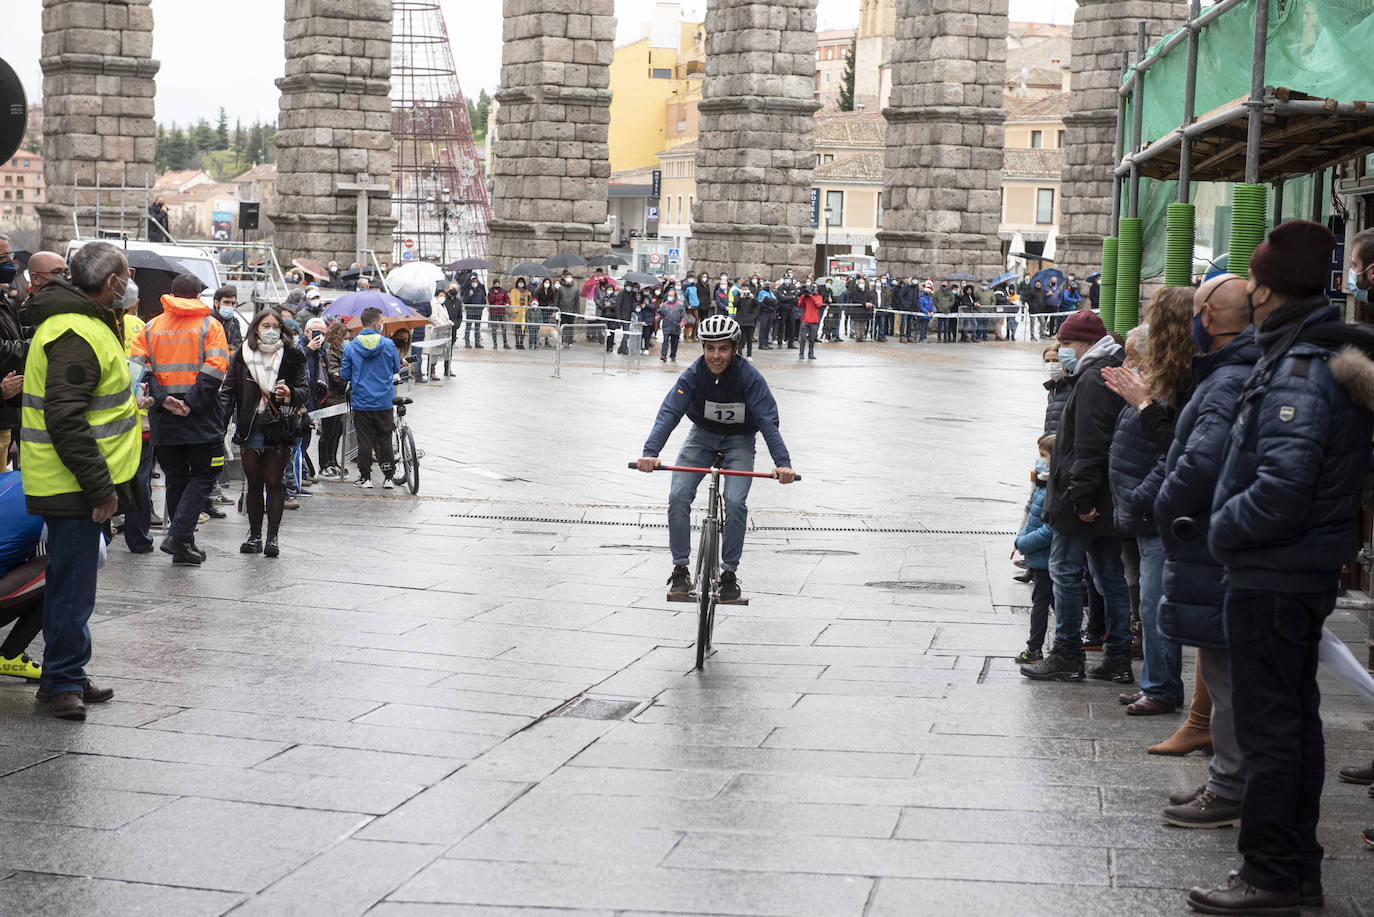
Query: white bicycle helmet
(720, 328)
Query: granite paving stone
(377, 722)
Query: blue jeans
(1161, 670)
(1069, 555)
(670, 339)
(699, 451)
(137, 522)
(68, 601)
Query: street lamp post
(446, 209)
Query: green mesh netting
(1320, 47)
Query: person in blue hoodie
(925, 310)
(370, 361)
(729, 403)
(1034, 543)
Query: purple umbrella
(351, 305)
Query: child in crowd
(1034, 543)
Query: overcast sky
(230, 56)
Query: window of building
(1059, 140)
(1044, 205)
(828, 75)
(879, 221)
(681, 217)
(19, 194)
(661, 73)
(7, 194)
(834, 205)
(1037, 139)
(828, 157)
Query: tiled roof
(850, 128)
(263, 171)
(1033, 163)
(852, 167)
(1049, 108)
(682, 149)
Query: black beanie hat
(1295, 260)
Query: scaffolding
(439, 193)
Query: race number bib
(729, 412)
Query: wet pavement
(476, 701)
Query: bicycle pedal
(680, 598)
(739, 601)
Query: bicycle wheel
(411, 460)
(707, 563)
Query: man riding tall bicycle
(729, 403)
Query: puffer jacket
(1059, 391)
(1036, 535)
(1194, 587)
(1285, 512)
(1135, 470)
(747, 305)
(568, 303)
(1078, 468)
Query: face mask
(226, 312)
(1042, 467)
(1056, 370)
(269, 336)
(1202, 339)
(129, 299)
(7, 271)
(1069, 358)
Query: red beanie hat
(1082, 326)
(1295, 260)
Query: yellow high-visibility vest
(112, 413)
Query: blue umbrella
(1008, 277)
(351, 305)
(1047, 274)
(1220, 265)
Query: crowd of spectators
(1204, 478)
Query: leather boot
(1196, 731)
(270, 547)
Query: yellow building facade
(654, 95)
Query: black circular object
(14, 112)
(915, 586)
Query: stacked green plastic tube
(1178, 259)
(1107, 282)
(1248, 226)
(1127, 313)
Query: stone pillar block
(943, 166)
(98, 86)
(753, 209)
(551, 185)
(334, 126)
(1102, 30)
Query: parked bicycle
(707, 579)
(403, 447)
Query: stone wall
(1102, 30)
(943, 175)
(756, 152)
(334, 130)
(551, 163)
(97, 113)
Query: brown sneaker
(68, 706)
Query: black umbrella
(141, 260)
(560, 262)
(1094, 276)
(470, 264)
(640, 278)
(609, 259)
(529, 269)
(231, 256)
(966, 278)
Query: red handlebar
(634, 466)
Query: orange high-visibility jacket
(187, 356)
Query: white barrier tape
(336, 410)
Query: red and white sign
(409, 243)
(655, 258)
